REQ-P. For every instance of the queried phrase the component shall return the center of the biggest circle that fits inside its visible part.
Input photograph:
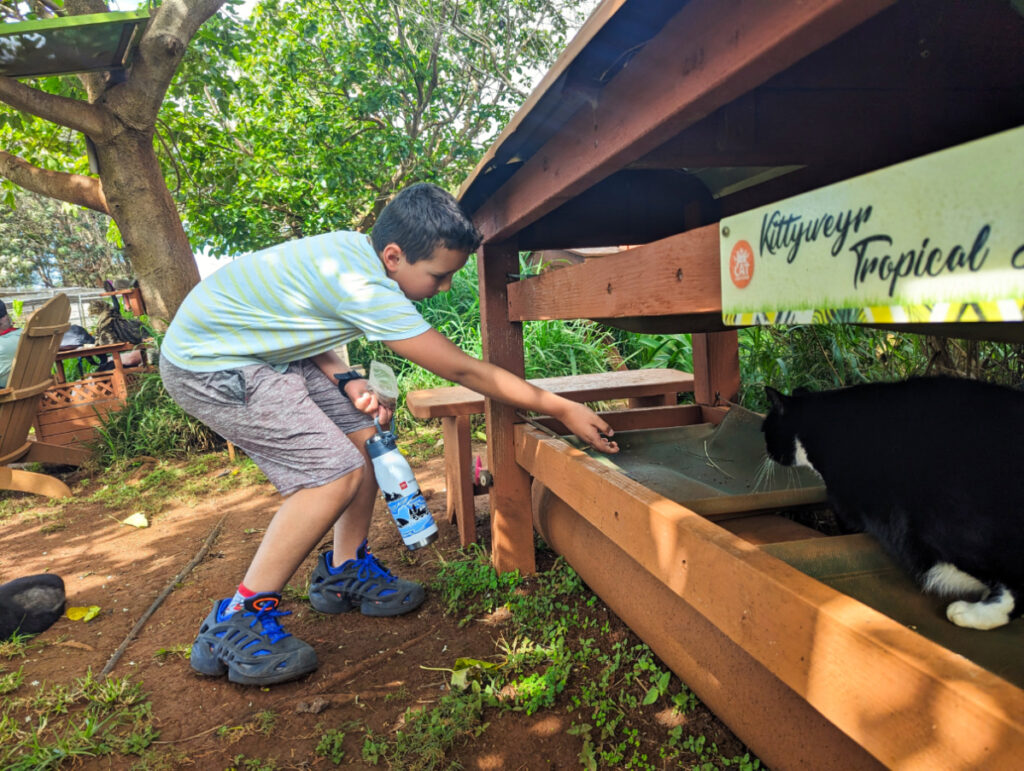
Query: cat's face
(98, 308)
(779, 429)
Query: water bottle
(402, 494)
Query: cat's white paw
(978, 615)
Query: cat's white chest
(800, 456)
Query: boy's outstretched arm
(433, 351)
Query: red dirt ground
(370, 669)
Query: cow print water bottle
(401, 492)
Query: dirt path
(371, 670)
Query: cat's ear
(778, 401)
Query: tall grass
(151, 424)
(826, 356)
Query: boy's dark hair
(421, 218)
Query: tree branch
(64, 111)
(160, 51)
(73, 188)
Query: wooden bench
(455, 404)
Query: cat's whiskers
(765, 473)
(793, 478)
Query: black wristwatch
(345, 377)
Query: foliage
(49, 243)
(152, 424)
(471, 587)
(51, 726)
(301, 119)
(659, 351)
(557, 651)
(41, 142)
(820, 357)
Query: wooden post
(458, 475)
(117, 380)
(716, 367)
(511, 512)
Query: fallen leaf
(138, 519)
(76, 644)
(83, 614)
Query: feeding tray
(69, 44)
(713, 469)
(856, 565)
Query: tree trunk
(144, 211)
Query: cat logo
(741, 264)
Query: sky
(208, 264)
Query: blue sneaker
(250, 646)
(361, 582)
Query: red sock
(241, 595)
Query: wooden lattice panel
(78, 392)
(69, 412)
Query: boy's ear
(391, 255)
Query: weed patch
(558, 654)
(46, 727)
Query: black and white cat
(931, 467)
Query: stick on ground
(200, 555)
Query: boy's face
(424, 278)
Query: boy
(250, 353)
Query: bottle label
(411, 514)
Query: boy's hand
(589, 427)
(366, 401)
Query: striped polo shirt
(290, 302)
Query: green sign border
(80, 43)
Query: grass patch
(14, 503)
(171, 481)
(150, 424)
(558, 653)
(181, 651)
(50, 726)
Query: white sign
(939, 238)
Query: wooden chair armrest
(17, 394)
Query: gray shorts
(292, 424)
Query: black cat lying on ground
(931, 467)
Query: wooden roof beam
(677, 275)
(882, 126)
(707, 56)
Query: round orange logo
(741, 264)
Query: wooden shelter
(659, 120)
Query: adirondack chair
(30, 376)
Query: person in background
(9, 337)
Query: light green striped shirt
(290, 302)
